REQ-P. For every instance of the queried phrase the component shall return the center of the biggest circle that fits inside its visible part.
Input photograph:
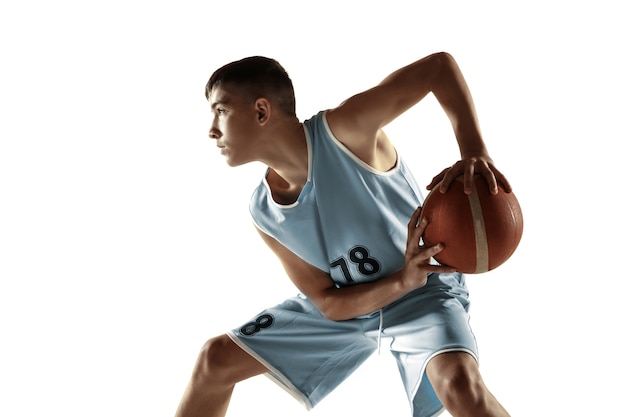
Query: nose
(214, 132)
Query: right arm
(348, 302)
(357, 121)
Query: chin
(231, 162)
(234, 159)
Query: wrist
(400, 282)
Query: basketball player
(340, 209)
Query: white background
(125, 240)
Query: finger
(468, 175)
(414, 233)
(486, 170)
(501, 179)
(436, 179)
(422, 256)
(442, 269)
(431, 251)
(450, 176)
(418, 231)
(415, 218)
(492, 183)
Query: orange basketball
(479, 231)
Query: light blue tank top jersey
(350, 220)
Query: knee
(460, 388)
(212, 362)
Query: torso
(340, 220)
(383, 158)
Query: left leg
(457, 381)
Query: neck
(288, 160)
(288, 155)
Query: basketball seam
(480, 233)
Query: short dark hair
(257, 77)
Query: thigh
(423, 325)
(428, 322)
(304, 352)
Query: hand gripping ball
(479, 231)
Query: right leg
(220, 365)
(456, 380)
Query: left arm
(352, 301)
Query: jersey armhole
(355, 158)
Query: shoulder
(370, 144)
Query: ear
(263, 110)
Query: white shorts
(309, 355)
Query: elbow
(334, 316)
(443, 58)
(443, 55)
(444, 61)
(333, 310)
(446, 74)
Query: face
(234, 126)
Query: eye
(220, 110)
